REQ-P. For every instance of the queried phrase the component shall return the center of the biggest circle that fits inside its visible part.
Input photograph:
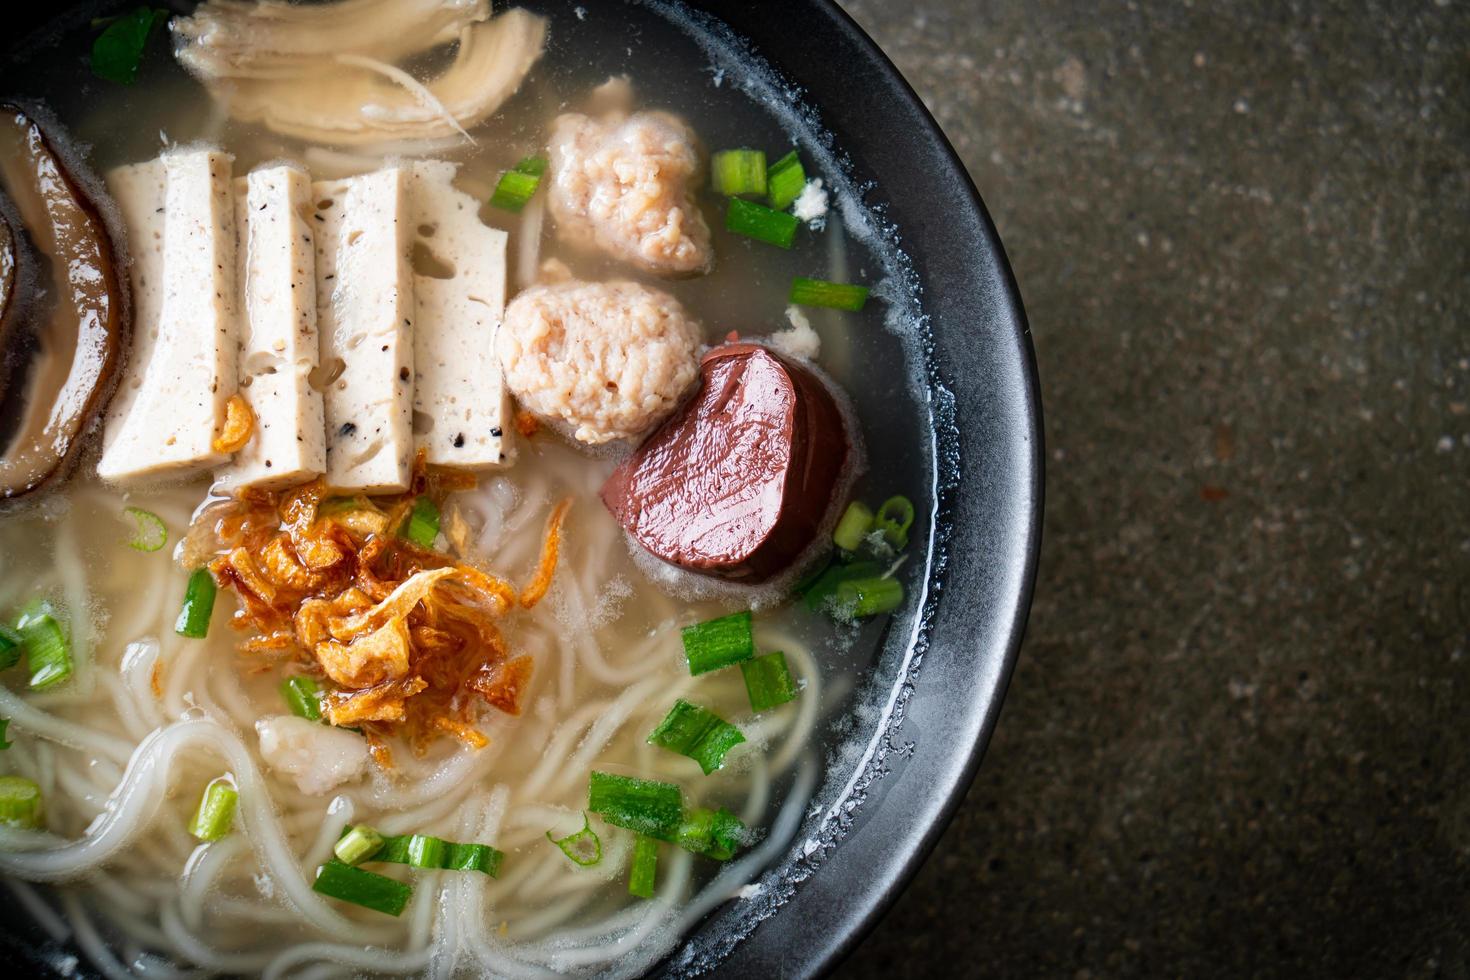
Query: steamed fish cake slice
(180, 213)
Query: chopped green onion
(836, 295)
(645, 867)
(713, 833)
(737, 172)
(193, 620)
(12, 645)
(698, 733)
(644, 805)
(853, 526)
(216, 810)
(357, 845)
(473, 857)
(341, 505)
(118, 51)
(372, 891)
(20, 802)
(422, 526)
(149, 533)
(820, 594)
(4, 727)
(894, 519)
(518, 184)
(768, 681)
(584, 847)
(426, 852)
(48, 650)
(857, 598)
(304, 697)
(761, 223)
(718, 643)
(785, 180)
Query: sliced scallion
(117, 52)
(857, 598)
(422, 525)
(834, 295)
(48, 649)
(303, 695)
(372, 891)
(647, 806)
(4, 728)
(821, 593)
(718, 642)
(473, 857)
(713, 833)
(761, 223)
(216, 811)
(518, 185)
(584, 847)
(784, 180)
(193, 620)
(736, 172)
(853, 526)
(417, 849)
(768, 681)
(12, 645)
(894, 518)
(358, 845)
(645, 867)
(426, 852)
(697, 732)
(149, 532)
(20, 802)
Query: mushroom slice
(79, 321)
(271, 39)
(367, 102)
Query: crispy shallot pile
(403, 638)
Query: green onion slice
(372, 891)
(118, 51)
(303, 695)
(48, 649)
(216, 811)
(736, 172)
(473, 857)
(768, 681)
(422, 525)
(645, 867)
(358, 845)
(646, 806)
(697, 732)
(784, 181)
(149, 532)
(821, 594)
(12, 645)
(20, 802)
(4, 727)
(719, 642)
(894, 519)
(433, 853)
(858, 598)
(761, 223)
(713, 833)
(193, 620)
(518, 185)
(834, 295)
(853, 526)
(426, 852)
(584, 847)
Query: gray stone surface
(1237, 739)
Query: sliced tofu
(182, 369)
(365, 320)
(278, 335)
(461, 405)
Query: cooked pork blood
(739, 481)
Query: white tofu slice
(183, 368)
(461, 406)
(365, 315)
(278, 336)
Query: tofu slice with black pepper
(365, 309)
(278, 335)
(461, 405)
(182, 366)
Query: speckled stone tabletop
(1238, 740)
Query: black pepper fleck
(348, 428)
(495, 432)
(459, 441)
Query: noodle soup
(482, 643)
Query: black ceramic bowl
(941, 675)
